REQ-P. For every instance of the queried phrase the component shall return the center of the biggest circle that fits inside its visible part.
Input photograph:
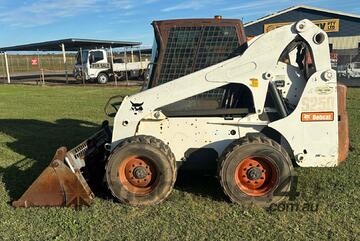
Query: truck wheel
(102, 78)
(144, 75)
(141, 171)
(255, 170)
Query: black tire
(143, 76)
(157, 157)
(238, 183)
(92, 80)
(103, 78)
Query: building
(343, 30)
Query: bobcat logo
(136, 107)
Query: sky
(42, 20)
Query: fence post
(27, 64)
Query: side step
(62, 182)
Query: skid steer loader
(274, 105)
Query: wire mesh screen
(193, 48)
(188, 45)
(190, 49)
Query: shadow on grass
(38, 140)
(201, 183)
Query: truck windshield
(356, 65)
(84, 54)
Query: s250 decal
(317, 103)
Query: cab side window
(96, 56)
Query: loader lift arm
(252, 65)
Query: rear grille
(80, 150)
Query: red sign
(333, 56)
(34, 61)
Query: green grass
(34, 121)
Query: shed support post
(142, 71)
(82, 67)
(126, 72)
(42, 75)
(65, 62)
(141, 63)
(7, 68)
(112, 65)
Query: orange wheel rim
(256, 176)
(138, 175)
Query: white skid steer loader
(294, 114)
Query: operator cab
(183, 47)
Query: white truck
(341, 71)
(96, 65)
(353, 70)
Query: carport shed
(63, 45)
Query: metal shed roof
(297, 7)
(71, 44)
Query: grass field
(34, 121)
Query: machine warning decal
(317, 116)
(280, 83)
(254, 82)
(324, 90)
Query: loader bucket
(62, 183)
(57, 185)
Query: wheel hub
(254, 173)
(140, 172)
(138, 175)
(255, 176)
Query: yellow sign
(328, 25)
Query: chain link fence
(19, 64)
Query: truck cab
(353, 70)
(92, 65)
